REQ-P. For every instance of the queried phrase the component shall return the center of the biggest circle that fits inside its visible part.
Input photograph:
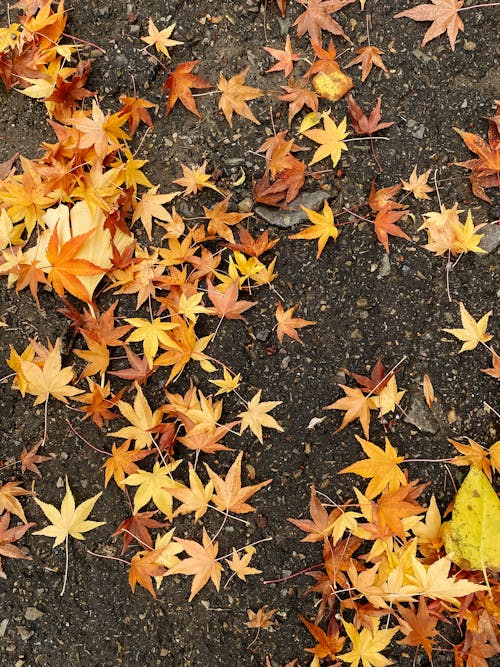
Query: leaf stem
(66, 566)
(89, 444)
(485, 5)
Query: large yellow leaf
(471, 537)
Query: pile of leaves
(84, 219)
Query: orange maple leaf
(320, 525)
(235, 96)
(287, 324)
(202, 564)
(226, 305)
(368, 56)
(143, 567)
(385, 225)
(65, 267)
(229, 494)
(358, 406)
(179, 85)
(285, 58)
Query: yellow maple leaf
(228, 383)
(465, 237)
(153, 486)
(195, 179)
(50, 379)
(240, 566)
(230, 496)
(434, 583)
(472, 332)
(143, 421)
(70, 520)
(381, 466)
(256, 416)
(367, 644)
(389, 397)
(323, 227)
(330, 139)
(160, 39)
(194, 498)
(152, 334)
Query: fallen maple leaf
(50, 380)
(229, 495)
(235, 96)
(29, 459)
(137, 527)
(286, 58)
(64, 267)
(486, 167)
(256, 416)
(240, 566)
(10, 535)
(444, 16)
(153, 486)
(316, 17)
(367, 644)
(70, 520)
(297, 97)
(358, 406)
(417, 185)
(494, 371)
(152, 334)
(194, 498)
(202, 563)
(381, 467)
(287, 324)
(160, 39)
(362, 124)
(226, 304)
(260, 618)
(322, 228)
(368, 56)
(419, 628)
(195, 179)
(330, 139)
(143, 567)
(122, 461)
(320, 525)
(179, 85)
(328, 644)
(472, 332)
(385, 225)
(144, 422)
(8, 499)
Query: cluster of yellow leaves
(66, 223)
(407, 573)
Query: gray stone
(33, 614)
(491, 238)
(420, 416)
(294, 214)
(384, 268)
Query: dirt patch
(366, 306)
